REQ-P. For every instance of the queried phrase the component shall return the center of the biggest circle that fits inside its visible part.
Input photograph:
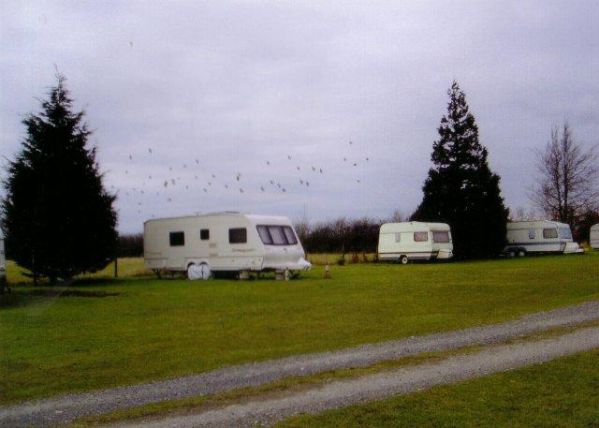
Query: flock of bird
(192, 177)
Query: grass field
(561, 393)
(100, 332)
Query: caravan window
(420, 236)
(550, 233)
(565, 233)
(532, 234)
(290, 235)
(238, 235)
(441, 237)
(264, 235)
(204, 234)
(177, 239)
(277, 235)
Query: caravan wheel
(521, 253)
(403, 260)
(201, 271)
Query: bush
(340, 236)
(131, 245)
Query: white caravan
(2, 260)
(542, 236)
(594, 238)
(414, 241)
(222, 242)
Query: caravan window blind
(440, 236)
(276, 235)
(291, 239)
(264, 235)
(550, 233)
(238, 235)
(420, 236)
(565, 233)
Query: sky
(228, 91)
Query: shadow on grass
(62, 292)
(23, 294)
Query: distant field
(101, 332)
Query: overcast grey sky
(220, 88)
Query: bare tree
(523, 214)
(398, 216)
(567, 184)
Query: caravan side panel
(594, 238)
(174, 244)
(2, 259)
(224, 241)
(542, 236)
(414, 240)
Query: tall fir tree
(57, 216)
(460, 188)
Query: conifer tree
(460, 188)
(57, 216)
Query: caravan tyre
(201, 271)
(403, 260)
(521, 253)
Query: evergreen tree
(460, 188)
(57, 216)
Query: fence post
(116, 267)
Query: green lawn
(101, 333)
(561, 393)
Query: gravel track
(66, 408)
(382, 385)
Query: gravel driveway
(382, 385)
(66, 408)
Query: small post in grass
(116, 267)
(327, 272)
